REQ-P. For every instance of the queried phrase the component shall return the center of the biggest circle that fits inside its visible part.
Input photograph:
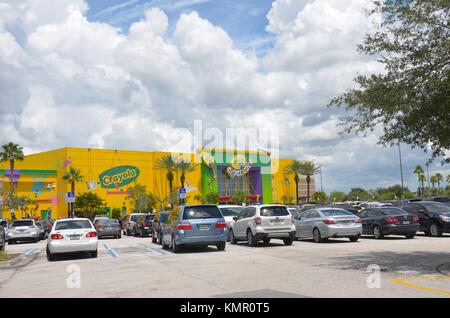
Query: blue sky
(245, 21)
(150, 85)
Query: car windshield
(113, 222)
(202, 212)
(103, 221)
(163, 217)
(234, 211)
(73, 225)
(22, 223)
(149, 218)
(274, 211)
(392, 211)
(134, 217)
(295, 212)
(335, 212)
(436, 207)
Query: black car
(143, 225)
(45, 227)
(434, 217)
(156, 226)
(443, 200)
(2, 238)
(388, 221)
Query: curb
(18, 261)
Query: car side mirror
(235, 218)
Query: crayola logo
(118, 177)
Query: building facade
(109, 173)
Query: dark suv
(434, 217)
(143, 225)
(156, 226)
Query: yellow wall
(92, 163)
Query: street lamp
(401, 168)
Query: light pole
(401, 168)
(428, 174)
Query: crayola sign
(118, 177)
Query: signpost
(182, 195)
(71, 201)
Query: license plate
(406, 222)
(74, 237)
(204, 227)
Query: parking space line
(30, 251)
(407, 282)
(110, 251)
(151, 249)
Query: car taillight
(56, 237)
(184, 226)
(257, 220)
(91, 234)
(415, 218)
(221, 225)
(358, 221)
(328, 222)
(392, 220)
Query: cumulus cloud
(66, 80)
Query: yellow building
(109, 173)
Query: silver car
(72, 236)
(323, 223)
(23, 230)
(263, 223)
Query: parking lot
(134, 267)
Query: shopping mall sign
(118, 177)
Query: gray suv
(23, 230)
(263, 223)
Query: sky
(136, 74)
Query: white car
(72, 236)
(23, 230)
(263, 223)
(229, 212)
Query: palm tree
(439, 179)
(294, 168)
(168, 164)
(420, 172)
(308, 169)
(185, 168)
(11, 152)
(72, 177)
(433, 180)
(422, 180)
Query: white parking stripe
(110, 251)
(151, 249)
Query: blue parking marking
(151, 249)
(31, 251)
(110, 251)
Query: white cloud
(66, 80)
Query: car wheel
(410, 236)
(317, 237)
(120, 236)
(287, 241)
(354, 238)
(11, 242)
(233, 239)
(251, 238)
(435, 230)
(159, 238)
(163, 243)
(221, 246)
(94, 254)
(154, 238)
(266, 241)
(50, 256)
(175, 247)
(2, 247)
(377, 232)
